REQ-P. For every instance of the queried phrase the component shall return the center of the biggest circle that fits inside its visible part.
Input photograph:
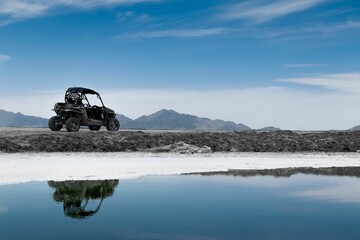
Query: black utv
(77, 111)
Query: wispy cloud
(263, 10)
(22, 9)
(97, 3)
(301, 65)
(334, 28)
(346, 82)
(15, 10)
(3, 209)
(132, 17)
(347, 191)
(300, 32)
(177, 33)
(4, 58)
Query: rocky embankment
(184, 142)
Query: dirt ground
(14, 140)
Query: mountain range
(356, 128)
(170, 119)
(161, 120)
(10, 119)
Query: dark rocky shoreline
(287, 172)
(44, 140)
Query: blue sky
(251, 56)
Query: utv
(76, 111)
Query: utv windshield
(93, 100)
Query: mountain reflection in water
(263, 206)
(75, 195)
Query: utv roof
(81, 90)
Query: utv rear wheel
(94, 128)
(72, 124)
(54, 124)
(113, 125)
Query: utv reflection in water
(75, 195)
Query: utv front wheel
(72, 124)
(113, 125)
(54, 123)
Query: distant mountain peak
(356, 128)
(170, 119)
(269, 129)
(166, 111)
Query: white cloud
(14, 10)
(301, 65)
(345, 191)
(309, 31)
(97, 3)
(132, 17)
(180, 33)
(263, 11)
(346, 82)
(255, 107)
(3, 209)
(334, 28)
(22, 9)
(4, 58)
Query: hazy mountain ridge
(10, 119)
(269, 129)
(356, 128)
(161, 120)
(170, 119)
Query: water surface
(184, 207)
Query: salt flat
(25, 167)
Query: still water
(184, 207)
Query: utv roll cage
(80, 94)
